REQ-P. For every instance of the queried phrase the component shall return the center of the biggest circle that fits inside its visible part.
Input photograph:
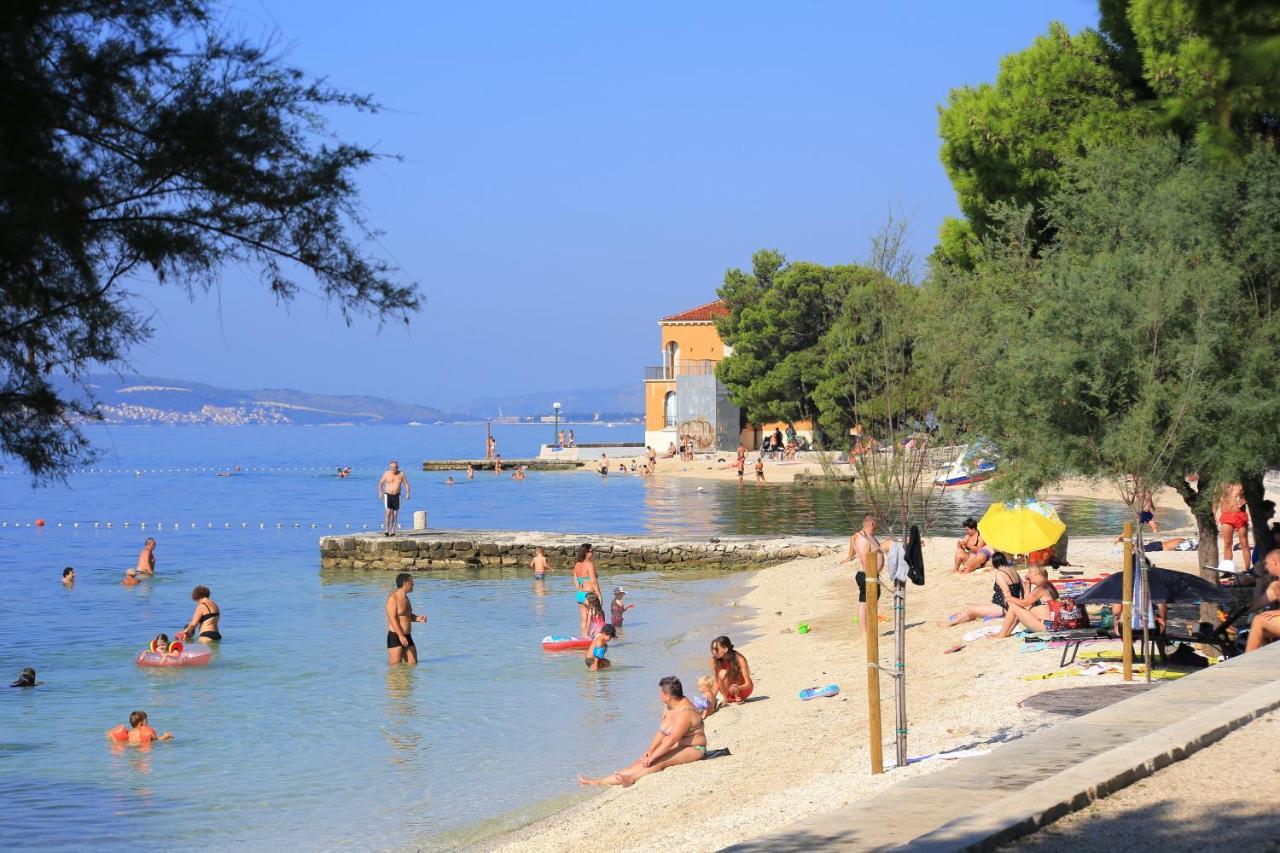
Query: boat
(973, 465)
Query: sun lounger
(1071, 640)
(1217, 639)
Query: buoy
(39, 522)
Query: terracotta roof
(701, 314)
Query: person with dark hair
(730, 671)
(1265, 627)
(585, 581)
(599, 648)
(68, 576)
(1007, 588)
(204, 621)
(869, 551)
(27, 678)
(970, 547)
(680, 739)
(139, 732)
(400, 619)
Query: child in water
(138, 733)
(599, 647)
(161, 644)
(595, 615)
(618, 607)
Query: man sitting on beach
(1265, 627)
(389, 486)
(147, 558)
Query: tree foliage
(137, 138)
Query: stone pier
(423, 550)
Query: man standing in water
(400, 619)
(147, 558)
(389, 486)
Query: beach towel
(979, 633)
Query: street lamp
(555, 440)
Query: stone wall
(443, 549)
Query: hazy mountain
(151, 399)
(622, 401)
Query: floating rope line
(40, 524)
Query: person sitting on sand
(130, 577)
(680, 739)
(1007, 586)
(139, 732)
(1265, 627)
(204, 621)
(971, 548)
(599, 648)
(706, 701)
(730, 670)
(671, 450)
(1032, 609)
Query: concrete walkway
(979, 803)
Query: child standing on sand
(618, 607)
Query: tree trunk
(1254, 495)
(1199, 501)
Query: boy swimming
(138, 733)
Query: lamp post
(555, 440)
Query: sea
(298, 735)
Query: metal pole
(872, 628)
(900, 628)
(1126, 601)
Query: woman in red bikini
(729, 669)
(1233, 515)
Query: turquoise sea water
(297, 736)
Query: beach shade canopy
(1167, 587)
(1021, 527)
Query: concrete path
(979, 803)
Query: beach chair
(1217, 638)
(1071, 640)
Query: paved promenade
(982, 802)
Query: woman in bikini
(1007, 587)
(585, 581)
(1233, 515)
(971, 551)
(680, 739)
(1033, 609)
(204, 622)
(730, 671)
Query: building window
(671, 359)
(669, 409)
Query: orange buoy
(39, 522)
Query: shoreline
(793, 759)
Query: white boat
(967, 469)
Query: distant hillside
(611, 403)
(150, 399)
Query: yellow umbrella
(1021, 527)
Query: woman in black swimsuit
(1007, 587)
(204, 622)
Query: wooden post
(872, 627)
(1126, 604)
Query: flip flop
(952, 650)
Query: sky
(573, 171)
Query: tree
(1140, 342)
(137, 138)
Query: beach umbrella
(1021, 527)
(1166, 587)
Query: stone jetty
(507, 464)
(422, 550)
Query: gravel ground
(1222, 798)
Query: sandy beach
(791, 758)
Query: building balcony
(693, 367)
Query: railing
(669, 421)
(693, 367)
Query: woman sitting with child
(680, 739)
(1033, 609)
(1007, 587)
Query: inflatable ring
(177, 656)
(562, 644)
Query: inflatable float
(178, 655)
(814, 692)
(563, 644)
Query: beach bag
(1067, 614)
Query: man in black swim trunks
(389, 486)
(400, 619)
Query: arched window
(672, 358)
(669, 409)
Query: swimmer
(162, 645)
(27, 678)
(539, 564)
(205, 618)
(68, 577)
(390, 484)
(400, 619)
(139, 732)
(497, 464)
(596, 659)
(471, 472)
(448, 481)
(618, 607)
(131, 578)
(147, 558)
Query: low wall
(507, 464)
(590, 453)
(422, 550)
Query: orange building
(682, 395)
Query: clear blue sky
(573, 171)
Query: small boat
(964, 472)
